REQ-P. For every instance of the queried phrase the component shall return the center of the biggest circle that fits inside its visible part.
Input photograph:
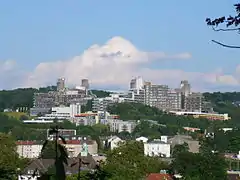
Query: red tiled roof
(158, 176)
(27, 142)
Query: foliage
(9, 160)
(179, 148)
(231, 24)
(223, 142)
(61, 156)
(133, 111)
(101, 93)
(22, 97)
(128, 162)
(200, 166)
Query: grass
(16, 115)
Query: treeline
(136, 111)
(23, 97)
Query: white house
(143, 139)
(114, 142)
(157, 148)
(29, 149)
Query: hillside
(24, 97)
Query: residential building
(157, 147)
(101, 104)
(193, 145)
(61, 84)
(117, 125)
(29, 149)
(142, 139)
(42, 165)
(114, 142)
(32, 149)
(162, 97)
(136, 83)
(194, 102)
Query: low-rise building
(114, 142)
(157, 147)
(142, 139)
(29, 149)
(32, 149)
(193, 145)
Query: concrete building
(193, 145)
(101, 104)
(85, 83)
(157, 148)
(62, 112)
(185, 88)
(61, 84)
(117, 125)
(194, 102)
(136, 83)
(162, 97)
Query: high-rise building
(85, 83)
(60, 84)
(136, 83)
(162, 97)
(194, 102)
(185, 87)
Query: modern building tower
(61, 84)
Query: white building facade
(157, 148)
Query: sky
(111, 42)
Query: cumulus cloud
(113, 64)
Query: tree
(179, 148)
(231, 24)
(9, 160)
(61, 156)
(200, 166)
(128, 162)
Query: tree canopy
(230, 23)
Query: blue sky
(50, 30)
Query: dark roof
(42, 165)
(158, 176)
(233, 177)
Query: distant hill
(101, 93)
(22, 97)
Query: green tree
(128, 162)
(179, 148)
(61, 156)
(9, 160)
(200, 166)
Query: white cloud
(114, 64)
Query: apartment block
(162, 97)
(117, 125)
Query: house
(143, 139)
(159, 176)
(32, 149)
(157, 147)
(114, 142)
(193, 145)
(42, 166)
